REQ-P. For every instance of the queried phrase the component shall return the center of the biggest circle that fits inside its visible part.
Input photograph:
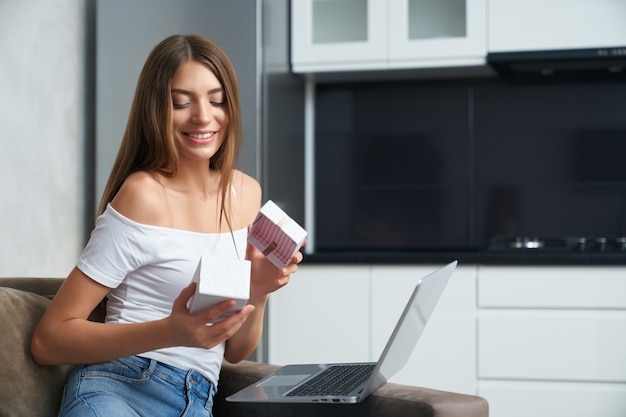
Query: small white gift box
(276, 235)
(220, 279)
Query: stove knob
(580, 243)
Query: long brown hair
(148, 142)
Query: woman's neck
(195, 179)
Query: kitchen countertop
(527, 257)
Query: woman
(173, 195)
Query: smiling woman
(173, 196)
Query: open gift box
(276, 235)
(220, 279)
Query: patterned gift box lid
(276, 235)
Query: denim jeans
(136, 387)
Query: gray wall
(46, 118)
(66, 106)
(128, 30)
(282, 143)
(283, 115)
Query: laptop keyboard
(335, 380)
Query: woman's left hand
(265, 277)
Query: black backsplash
(461, 164)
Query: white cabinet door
(437, 33)
(334, 34)
(543, 287)
(551, 399)
(551, 340)
(529, 25)
(322, 315)
(445, 355)
(552, 345)
(352, 35)
(536, 323)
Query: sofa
(31, 390)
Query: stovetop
(572, 243)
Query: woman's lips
(201, 138)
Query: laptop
(353, 382)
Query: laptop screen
(413, 321)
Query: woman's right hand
(195, 330)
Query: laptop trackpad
(283, 380)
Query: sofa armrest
(391, 400)
(47, 287)
(26, 388)
(41, 286)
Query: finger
(282, 281)
(231, 324)
(244, 312)
(184, 296)
(292, 268)
(239, 317)
(211, 314)
(226, 328)
(298, 257)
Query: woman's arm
(65, 336)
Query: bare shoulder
(141, 198)
(247, 193)
(245, 184)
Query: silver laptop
(353, 382)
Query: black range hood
(596, 61)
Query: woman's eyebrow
(189, 93)
(180, 91)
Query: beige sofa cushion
(26, 389)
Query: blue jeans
(136, 387)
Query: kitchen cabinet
(551, 340)
(331, 35)
(534, 25)
(532, 340)
(351, 35)
(436, 33)
(322, 315)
